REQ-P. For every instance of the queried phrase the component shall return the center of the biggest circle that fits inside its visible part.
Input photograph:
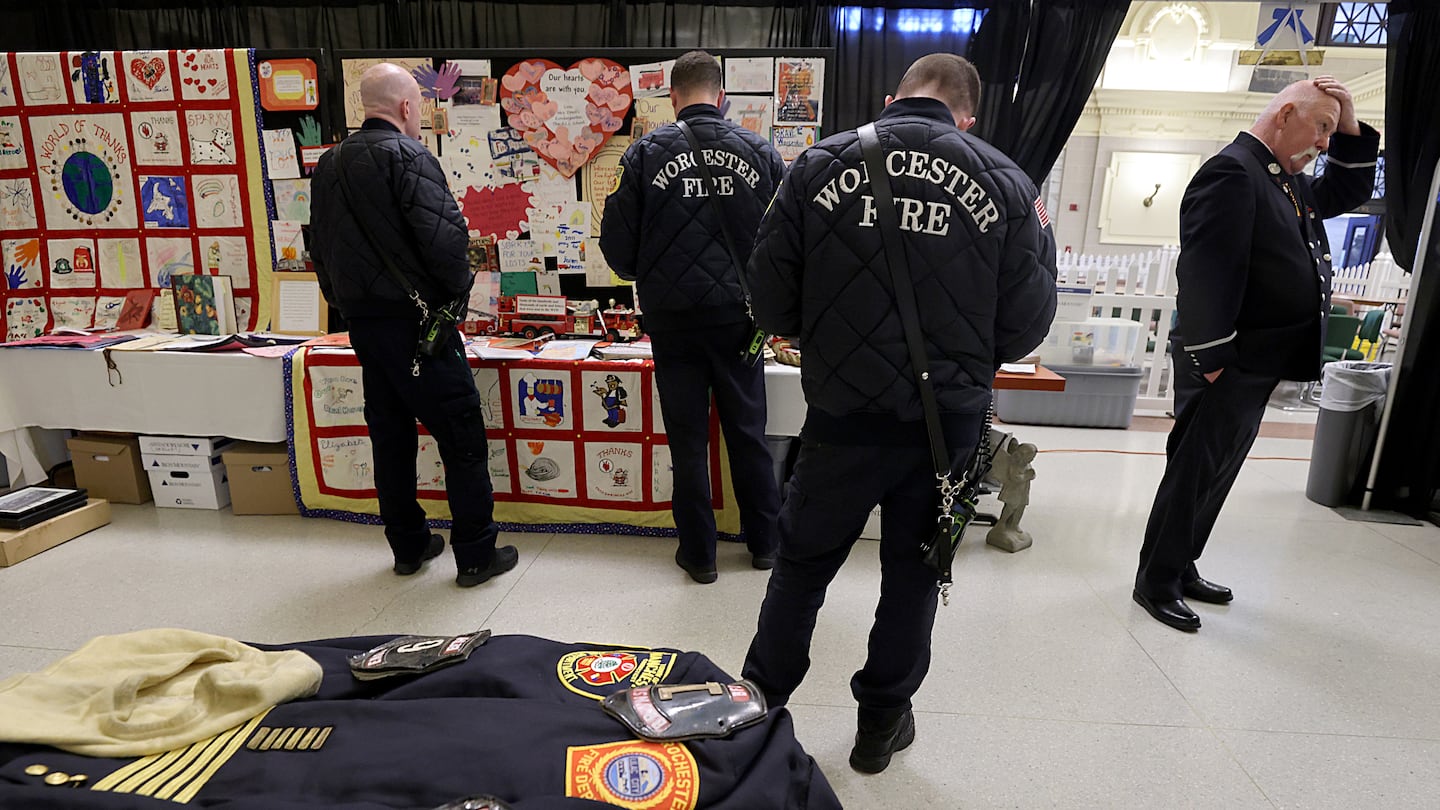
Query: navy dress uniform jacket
(1254, 267)
(519, 720)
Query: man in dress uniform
(982, 259)
(661, 229)
(1254, 273)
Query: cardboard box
(197, 483)
(182, 445)
(260, 479)
(26, 543)
(108, 465)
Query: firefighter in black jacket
(982, 258)
(661, 230)
(1254, 273)
(401, 198)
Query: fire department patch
(598, 673)
(633, 774)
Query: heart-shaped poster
(566, 114)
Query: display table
(576, 446)
(607, 478)
(785, 400)
(171, 393)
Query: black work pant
(1215, 426)
(443, 398)
(828, 499)
(690, 365)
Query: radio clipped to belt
(754, 346)
(435, 325)
(957, 498)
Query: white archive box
(182, 445)
(188, 482)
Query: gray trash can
(1350, 404)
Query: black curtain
(874, 45)
(787, 23)
(411, 24)
(1410, 462)
(1038, 61)
(1065, 46)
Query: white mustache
(1302, 158)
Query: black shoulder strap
(384, 257)
(714, 196)
(894, 257)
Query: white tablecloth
(157, 393)
(784, 401)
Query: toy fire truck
(532, 316)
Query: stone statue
(1012, 468)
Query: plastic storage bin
(1094, 396)
(1093, 342)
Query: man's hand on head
(1348, 123)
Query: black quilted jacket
(982, 262)
(406, 206)
(660, 229)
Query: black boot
(880, 734)
(436, 544)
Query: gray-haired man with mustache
(1254, 298)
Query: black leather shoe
(874, 746)
(1173, 612)
(437, 545)
(701, 574)
(763, 562)
(504, 560)
(1202, 590)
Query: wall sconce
(1149, 201)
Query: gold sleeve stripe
(310, 734)
(324, 735)
(254, 742)
(200, 751)
(184, 796)
(294, 738)
(168, 772)
(285, 739)
(126, 771)
(139, 777)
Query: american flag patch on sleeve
(1040, 212)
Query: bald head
(947, 78)
(1297, 124)
(390, 93)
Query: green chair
(1368, 339)
(1339, 337)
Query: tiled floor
(1319, 687)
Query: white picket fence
(1381, 279)
(1141, 287)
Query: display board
(574, 446)
(530, 142)
(119, 169)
